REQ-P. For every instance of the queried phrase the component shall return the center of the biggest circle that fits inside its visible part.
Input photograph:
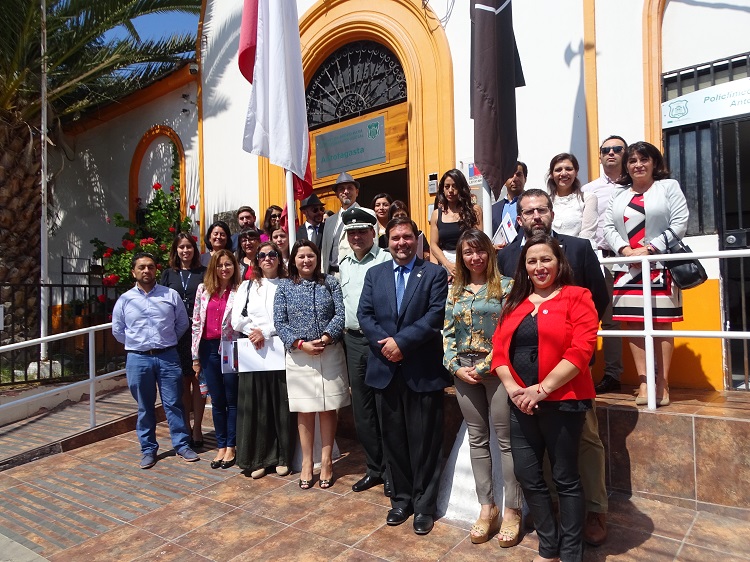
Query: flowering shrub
(161, 220)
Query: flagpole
(43, 244)
(291, 208)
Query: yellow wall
(697, 362)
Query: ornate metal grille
(357, 78)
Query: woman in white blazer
(640, 215)
(212, 323)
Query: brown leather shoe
(595, 528)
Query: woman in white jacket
(264, 424)
(648, 208)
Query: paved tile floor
(94, 503)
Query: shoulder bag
(686, 274)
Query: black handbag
(686, 274)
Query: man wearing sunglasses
(611, 154)
(535, 215)
(312, 229)
(359, 227)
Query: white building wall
(230, 174)
(94, 186)
(700, 32)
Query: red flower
(192, 207)
(157, 186)
(128, 245)
(158, 266)
(131, 232)
(102, 298)
(171, 188)
(195, 238)
(107, 253)
(171, 229)
(110, 280)
(163, 247)
(146, 241)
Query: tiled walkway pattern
(62, 422)
(94, 503)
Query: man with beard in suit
(312, 229)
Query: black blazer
(416, 329)
(583, 260)
(302, 234)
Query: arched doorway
(416, 38)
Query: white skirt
(317, 383)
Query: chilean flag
(270, 58)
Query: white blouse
(575, 216)
(259, 299)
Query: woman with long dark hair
(247, 245)
(309, 318)
(381, 204)
(271, 222)
(184, 275)
(471, 315)
(542, 348)
(212, 323)
(218, 237)
(454, 212)
(264, 424)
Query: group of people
(366, 313)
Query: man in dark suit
(514, 186)
(401, 313)
(312, 229)
(535, 215)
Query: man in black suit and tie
(401, 312)
(312, 229)
(535, 215)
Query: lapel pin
(545, 311)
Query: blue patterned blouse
(308, 310)
(470, 322)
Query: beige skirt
(317, 383)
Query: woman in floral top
(471, 317)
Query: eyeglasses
(616, 149)
(529, 213)
(275, 216)
(273, 254)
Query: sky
(157, 25)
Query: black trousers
(364, 409)
(559, 434)
(412, 441)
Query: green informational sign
(351, 147)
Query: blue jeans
(144, 373)
(223, 390)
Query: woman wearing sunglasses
(271, 222)
(264, 424)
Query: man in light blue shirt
(359, 227)
(149, 319)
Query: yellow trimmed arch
(414, 34)
(135, 165)
(653, 17)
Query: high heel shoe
(485, 527)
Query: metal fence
(72, 307)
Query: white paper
(506, 232)
(270, 357)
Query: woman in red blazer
(542, 348)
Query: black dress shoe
(366, 483)
(607, 384)
(387, 488)
(423, 523)
(228, 464)
(216, 464)
(397, 515)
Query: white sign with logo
(716, 102)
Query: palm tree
(94, 56)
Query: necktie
(400, 285)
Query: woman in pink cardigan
(212, 323)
